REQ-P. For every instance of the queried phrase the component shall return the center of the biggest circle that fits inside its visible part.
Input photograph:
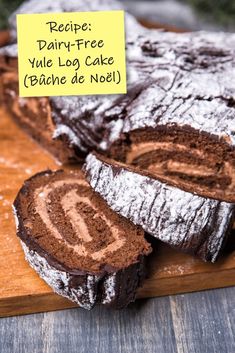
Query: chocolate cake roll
(33, 115)
(181, 124)
(76, 243)
(184, 220)
(180, 98)
(67, 144)
(180, 90)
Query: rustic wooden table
(202, 322)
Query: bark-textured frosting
(184, 80)
(177, 119)
(9, 51)
(76, 243)
(180, 102)
(191, 82)
(84, 129)
(65, 143)
(174, 80)
(184, 220)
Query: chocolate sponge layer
(184, 220)
(76, 243)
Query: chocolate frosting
(185, 80)
(80, 247)
(181, 219)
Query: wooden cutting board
(22, 291)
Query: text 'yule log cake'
(186, 221)
(180, 94)
(36, 115)
(76, 243)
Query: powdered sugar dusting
(16, 217)
(85, 294)
(65, 130)
(168, 213)
(189, 79)
(59, 281)
(10, 51)
(109, 289)
(186, 79)
(173, 79)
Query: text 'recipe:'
(68, 27)
(69, 45)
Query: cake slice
(76, 243)
(187, 221)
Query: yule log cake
(34, 115)
(182, 219)
(76, 243)
(180, 98)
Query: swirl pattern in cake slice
(77, 244)
(182, 219)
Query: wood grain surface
(192, 323)
(202, 322)
(22, 291)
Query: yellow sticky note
(71, 53)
